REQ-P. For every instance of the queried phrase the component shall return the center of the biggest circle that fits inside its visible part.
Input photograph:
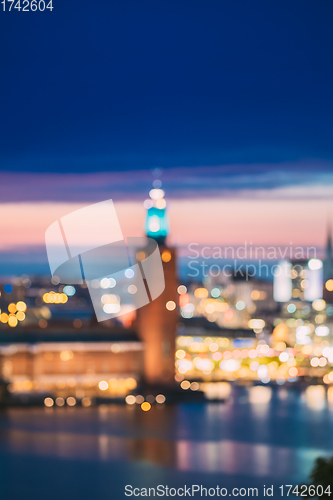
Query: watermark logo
(88, 246)
(245, 261)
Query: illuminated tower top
(157, 223)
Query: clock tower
(157, 320)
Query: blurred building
(59, 348)
(156, 322)
(67, 364)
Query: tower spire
(328, 263)
(329, 238)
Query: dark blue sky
(114, 85)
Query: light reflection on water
(260, 432)
(228, 457)
(234, 458)
(315, 397)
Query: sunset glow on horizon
(203, 221)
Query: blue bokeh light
(129, 273)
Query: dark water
(255, 439)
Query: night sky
(130, 85)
